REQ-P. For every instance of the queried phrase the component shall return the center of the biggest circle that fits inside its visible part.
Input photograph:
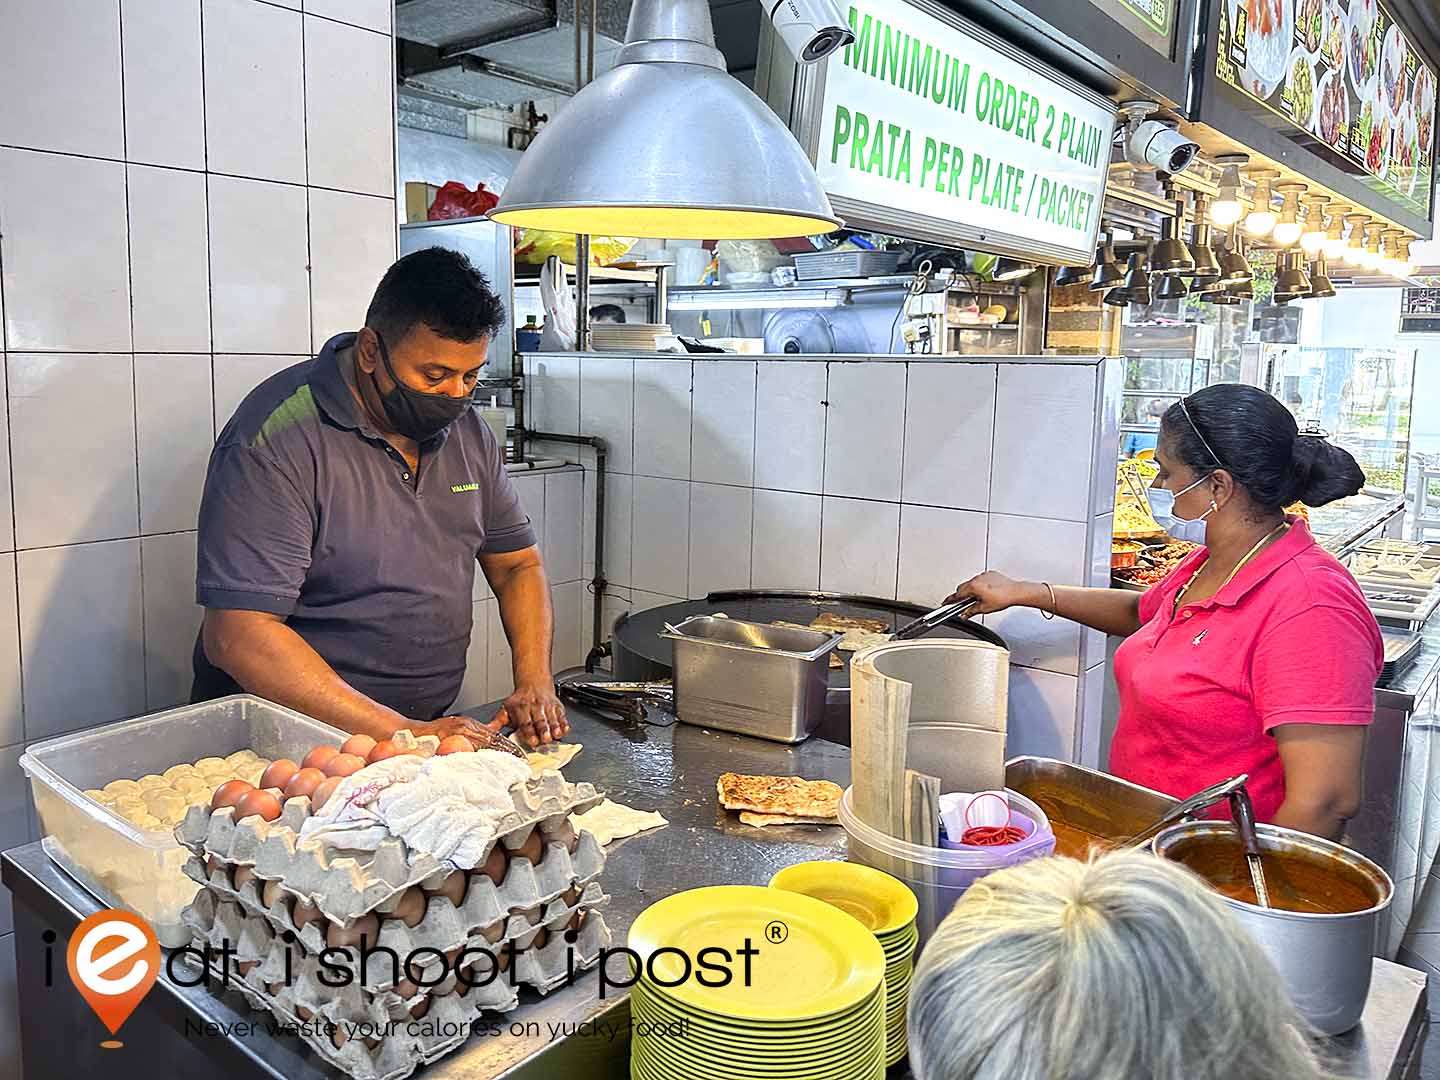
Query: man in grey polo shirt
(346, 504)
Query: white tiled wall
(880, 477)
(160, 204)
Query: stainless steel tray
(1086, 800)
(751, 678)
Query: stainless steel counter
(672, 770)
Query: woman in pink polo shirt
(1257, 654)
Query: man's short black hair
(437, 287)
(607, 313)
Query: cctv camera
(1159, 146)
(812, 29)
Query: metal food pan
(1093, 802)
(751, 678)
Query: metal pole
(578, 83)
(662, 294)
(590, 47)
(582, 292)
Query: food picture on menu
(1334, 116)
(1332, 43)
(1269, 28)
(1300, 84)
(1392, 68)
(1310, 23)
(1362, 44)
(1423, 97)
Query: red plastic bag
(455, 200)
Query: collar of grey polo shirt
(332, 393)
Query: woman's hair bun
(1322, 472)
(1253, 437)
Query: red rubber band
(991, 835)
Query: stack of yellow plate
(806, 1003)
(887, 909)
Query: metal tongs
(1201, 800)
(932, 619)
(642, 702)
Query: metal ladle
(1201, 800)
(1243, 811)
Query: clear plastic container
(129, 867)
(939, 876)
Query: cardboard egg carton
(441, 1030)
(346, 884)
(217, 915)
(529, 897)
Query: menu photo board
(1348, 80)
(929, 127)
(1152, 21)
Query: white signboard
(930, 119)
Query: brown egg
(212, 864)
(455, 744)
(570, 895)
(344, 765)
(494, 932)
(410, 908)
(306, 913)
(337, 1036)
(533, 848)
(343, 937)
(540, 939)
(575, 921)
(273, 989)
(230, 793)
(420, 1008)
(497, 863)
(304, 1014)
(359, 745)
(243, 874)
(450, 955)
(384, 749)
(453, 886)
(270, 894)
(324, 791)
(318, 757)
(532, 914)
(566, 835)
(246, 966)
(278, 773)
(370, 1042)
(406, 989)
(304, 782)
(264, 804)
(502, 959)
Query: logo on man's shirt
(460, 488)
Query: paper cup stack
(885, 907)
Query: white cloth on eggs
(445, 806)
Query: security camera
(812, 29)
(1155, 144)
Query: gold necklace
(1272, 534)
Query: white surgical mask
(1162, 509)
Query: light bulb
(1261, 220)
(1355, 245)
(1312, 238)
(1288, 228)
(1227, 207)
(1334, 245)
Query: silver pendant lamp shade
(666, 144)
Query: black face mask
(413, 413)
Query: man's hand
(481, 736)
(535, 713)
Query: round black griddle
(640, 654)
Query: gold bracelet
(1054, 607)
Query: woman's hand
(995, 591)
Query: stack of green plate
(887, 909)
(812, 1008)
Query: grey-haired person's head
(1115, 969)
